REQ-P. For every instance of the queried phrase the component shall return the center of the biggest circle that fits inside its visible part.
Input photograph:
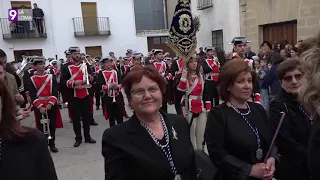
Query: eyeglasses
(140, 92)
(290, 78)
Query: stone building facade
(303, 16)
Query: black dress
(231, 143)
(292, 141)
(27, 159)
(314, 149)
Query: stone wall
(259, 12)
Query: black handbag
(205, 168)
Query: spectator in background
(262, 72)
(306, 45)
(293, 52)
(201, 52)
(249, 53)
(283, 54)
(271, 80)
(38, 17)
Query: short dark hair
(228, 75)
(136, 74)
(288, 65)
(2, 54)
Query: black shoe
(77, 143)
(71, 121)
(53, 149)
(97, 108)
(93, 123)
(91, 141)
(126, 116)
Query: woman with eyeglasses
(292, 141)
(151, 144)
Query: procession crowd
(240, 115)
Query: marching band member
(125, 68)
(87, 59)
(110, 80)
(169, 89)
(97, 88)
(176, 69)
(163, 71)
(43, 93)
(192, 84)
(239, 46)
(76, 76)
(63, 87)
(54, 70)
(211, 69)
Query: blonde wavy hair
(309, 93)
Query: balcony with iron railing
(23, 29)
(91, 26)
(204, 4)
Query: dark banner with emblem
(182, 35)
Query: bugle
(114, 96)
(45, 121)
(85, 74)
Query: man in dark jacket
(38, 18)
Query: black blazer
(231, 143)
(130, 152)
(292, 141)
(27, 159)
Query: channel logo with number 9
(13, 14)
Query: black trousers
(164, 106)
(177, 104)
(170, 91)
(52, 115)
(80, 109)
(97, 94)
(114, 109)
(211, 92)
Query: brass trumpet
(45, 121)
(114, 96)
(85, 74)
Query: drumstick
(275, 136)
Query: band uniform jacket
(194, 94)
(105, 78)
(130, 152)
(211, 69)
(26, 76)
(232, 144)
(69, 70)
(163, 69)
(41, 97)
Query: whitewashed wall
(223, 15)
(60, 31)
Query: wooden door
(159, 42)
(275, 33)
(18, 4)
(94, 51)
(90, 19)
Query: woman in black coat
(310, 98)
(292, 141)
(24, 152)
(237, 133)
(151, 144)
